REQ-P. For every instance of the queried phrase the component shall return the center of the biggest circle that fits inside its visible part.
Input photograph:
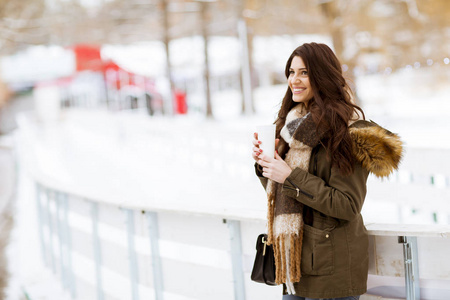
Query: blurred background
(113, 101)
(184, 56)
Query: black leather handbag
(264, 266)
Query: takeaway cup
(266, 134)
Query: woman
(316, 183)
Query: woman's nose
(297, 78)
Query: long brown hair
(331, 106)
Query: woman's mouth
(298, 90)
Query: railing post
(411, 261)
(236, 259)
(97, 250)
(158, 284)
(50, 230)
(134, 278)
(61, 240)
(41, 223)
(68, 242)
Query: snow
(413, 103)
(37, 64)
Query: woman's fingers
(256, 151)
(263, 160)
(263, 164)
(255, 156)
(266, 158)
(255, 141)
(277, 156)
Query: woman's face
(298, 81)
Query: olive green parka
(334, 261)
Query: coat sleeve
(258, 171)
(341, 198)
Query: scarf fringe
(271, 189)
(287, 259)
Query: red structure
(180, 102)
(125, 88)
(88, 58)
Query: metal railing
(56, 245)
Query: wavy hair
(331, 107)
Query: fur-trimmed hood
(377, 149)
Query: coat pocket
(317, 251)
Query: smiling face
(298, 81)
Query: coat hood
(377, 149)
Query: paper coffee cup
(266, 134)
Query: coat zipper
(299, 190)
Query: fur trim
(377, 149)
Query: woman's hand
(256, 150)
(275, 169)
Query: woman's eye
(291, 72)
(304, 72)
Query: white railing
(138, 208)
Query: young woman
(316, 183)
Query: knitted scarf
(285, 221)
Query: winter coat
(335, 242)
